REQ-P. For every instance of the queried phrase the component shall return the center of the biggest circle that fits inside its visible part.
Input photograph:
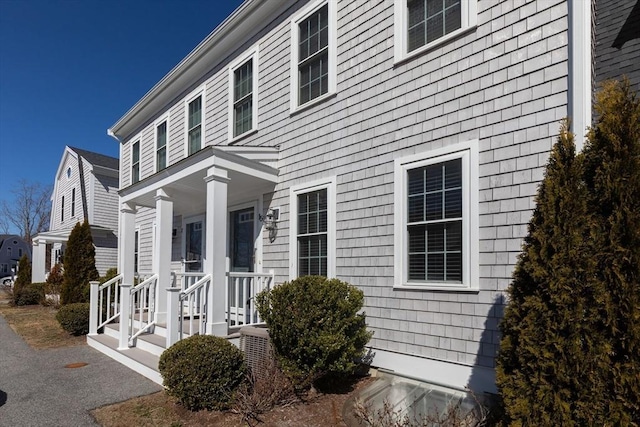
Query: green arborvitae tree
(612, 176)
(552, 336)
(23, 277)
(79, 265)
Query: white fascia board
(242, 24)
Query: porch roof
(249, 169)
(62, 235)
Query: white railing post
(94, 307)
(174, 305)
(125, 315)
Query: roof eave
(212, 50)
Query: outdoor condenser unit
(255, 344)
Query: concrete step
(141, 361)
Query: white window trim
(469, 22)
(469, 153)
(251, 54)
(332, 57)
(330, 184)
(200, 91)
(164, 118)
(73, 202)
(137, 139)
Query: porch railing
(105, 303)
(193, 310)
(142, 311)
(242, 288)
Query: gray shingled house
(396, 145)
(85, 187)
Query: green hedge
(203, 372)
(74, 318)
(315, 327)
(31, 294)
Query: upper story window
(313, 224)
(423, 24)
(194, 125)
(161, 146)
(9, 251)
(437, 219)
(69, 172)
(20, 252)
(243, 102)
(73, 202)
(62, 209)
(135, 162)
(313, 34)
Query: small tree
(23, 278)
(552, 334)
(315, 327)
(79, 265)
(612, 176)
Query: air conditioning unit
(255, 344)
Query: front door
(193, 244)
(242, 239)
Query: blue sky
(71, 69)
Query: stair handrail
(194, 295)
(142, 294)
(105, 303)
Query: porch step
(154, 343)
(144, 357)
(141, 361)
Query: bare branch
(29, 210)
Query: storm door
(242, 239)
(193, 245)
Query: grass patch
(37, 325)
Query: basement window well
(417, 400)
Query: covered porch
(218, 194)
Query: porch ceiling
(184, 182)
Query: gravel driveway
(36, 389)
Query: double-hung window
(135, 162)
(422, 24)
(194, 125)
(313, 228)
(73, 202)
(243, 99)
(161, 146)
(436, 219)
(313, 73)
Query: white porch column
(216, 249)
(39, 254)
(126, 243)
(162, 252)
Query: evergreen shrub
(31, 294)
(315, 327)
(23, 277)
(74, 318)
(570, 348)
(203, 372)
(79, 265)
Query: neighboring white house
(85, 187)
(12, 248)
(396, 145)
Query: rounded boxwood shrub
(31, 294)
(74, 318)
(315, 327)
(203, 372)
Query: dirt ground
(321, 410)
